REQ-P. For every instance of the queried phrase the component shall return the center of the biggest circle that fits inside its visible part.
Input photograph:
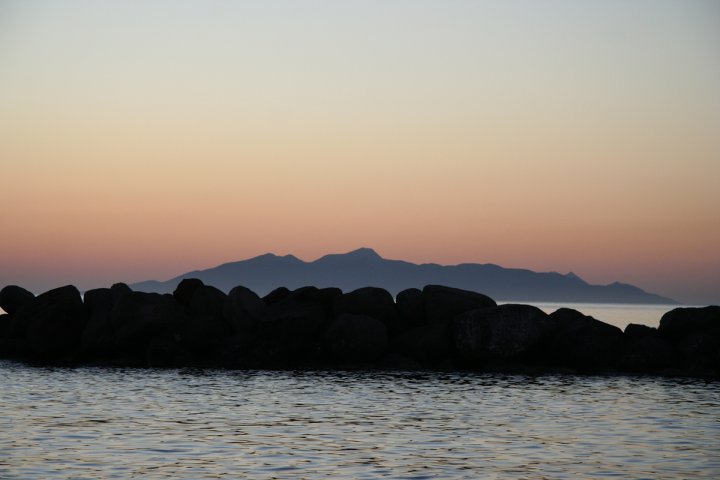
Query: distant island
(364, 267)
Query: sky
(141, 140)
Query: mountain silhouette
(364, 267)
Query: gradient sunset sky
(145, 139)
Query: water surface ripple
(125, 423)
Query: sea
(99, 422)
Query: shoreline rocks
(437, 327)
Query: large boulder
(371, 301)
(186, 288)
(427, 344)
(4, 325)
(291, 330)
(505, 333)
(119, 289)
(443, 304)
(97, 335)
(291, 336)
(9, 347)
(133, 324)
(177, 338)
(646, 351)
(695, 332)
(209, 325)
(276, 295)
(305, 297)
(13, 297)
(357, 339)
(636, 331)
(207, 301)
(322, 297)
(681, 321)
(701, 351)
(410, 304)
(126, 303)
(581, 342)
(152, 329)
(51, 323)
(243, 309)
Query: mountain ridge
(365, 267)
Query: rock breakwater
(437, 327)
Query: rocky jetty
(437, 327)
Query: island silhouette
(365, 267)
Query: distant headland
(364, 267)
(436, 327)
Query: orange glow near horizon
(134, 148)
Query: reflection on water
(96, 422)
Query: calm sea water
(124, 423)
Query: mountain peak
(363, 252)
(266, 257)
(361, 255)
(573, 275)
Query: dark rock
(635, 331)
(682, 321)
(13, 297)
(98, 299)
(51, 323)
(396, 361)
(208, 301)
(133, 323)
(4, 325)
(305, 295)
(206, 306)
(648, 353)
(292, 333)
(701, 351)
(141, 321)
(370, 301)
(695, 332)
(327, 297)
(276, 295)
(581, 342)
(177, 336)
(67, 296)
(357, 339)
(427, 343)
(443, 304)
(506, 332)
(126, 303)
(411, 307)
(119, 289)
(9, 347)
(162, 351)
(243, 309)
(97, 335)
(323, 297)
(185, 290)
